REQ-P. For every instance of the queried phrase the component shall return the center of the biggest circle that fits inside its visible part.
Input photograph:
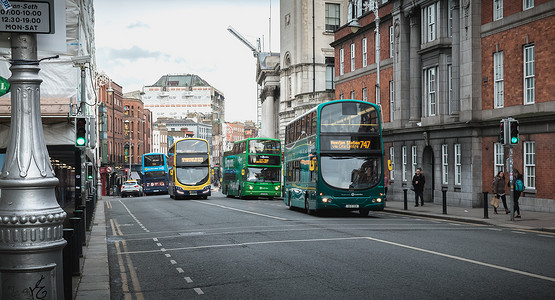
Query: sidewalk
(540, 221)
(94, 282)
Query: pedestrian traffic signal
(514, 132)
(80, 131)
(89, 171)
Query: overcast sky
(138, 41)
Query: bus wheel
(307, 208)
(364, 212)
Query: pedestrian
(518, 190)
(418, 181)
(498, 187)
(385, 184)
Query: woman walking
(498, 186)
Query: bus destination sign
(26, 17)
(192, 159)
(349, 145)
(264, 160)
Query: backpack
(519, 185)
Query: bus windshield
(154, 160)
(191, 146)
(263, 174)
(264, 146)
(154, 174)
(351, 172)
(349, 117)
(192, 175)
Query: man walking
(418, 181)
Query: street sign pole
(31, 220)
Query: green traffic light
(514, 140)
(80, 141)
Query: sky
(139, 41)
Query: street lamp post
(31, 220)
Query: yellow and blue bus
(334, 159)
(189, 169)
(155, 173)
(253, 169)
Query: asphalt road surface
(224, 248)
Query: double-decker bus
(189, 169)
(155, 173)
(333, 158)
(253, 169)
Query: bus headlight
(250, 187)
(379, 200)
(277, 188)
(326, 200)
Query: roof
(182, 80)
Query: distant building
(138, 126)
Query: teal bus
(189, 169)
(252, 168)
(334, 159)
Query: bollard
(68, 255)
(75, 223)
(485, 205)
(405, 198)
(82, 235)
(89, 211)
(444, 202)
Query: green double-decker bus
(333, 158)
(252, 169)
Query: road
(223, 248)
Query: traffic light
(89, 171)
(80, 131)
(502, 132)
(514, 132)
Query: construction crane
(255, 51)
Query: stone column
(31, 221)
(415, 71)
(455, 60)
(268, 113)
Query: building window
(332, 17)
(458, 165)
(430, 17)
(413, 150)
(341, 61)
(498, 157)
(530, 164)
(391, 39)
(391, 101)
(527, 4)
(404, 161)
(444, 164)
(392, 158)
(330, 74)
(352, 94)
(498, 79)
(450, 5)
(529, 75)
(352, 57)
(289, 87)
(497, 9)
(364, 52)
(430, 91)
(364, 94)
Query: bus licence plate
(351, 206)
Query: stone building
(449, 71)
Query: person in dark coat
(498, 188)
(418, 181)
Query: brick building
(449, 72)
(137, 123)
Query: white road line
(180, 270)
(495, 229)
(519, 232)
(199, 291)
(466, 260)
(543, 235)
(173, 262)
(188, 279)
(241, 210)
(159, 244)
(155, 239)
(355, 238)
(168, 255)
